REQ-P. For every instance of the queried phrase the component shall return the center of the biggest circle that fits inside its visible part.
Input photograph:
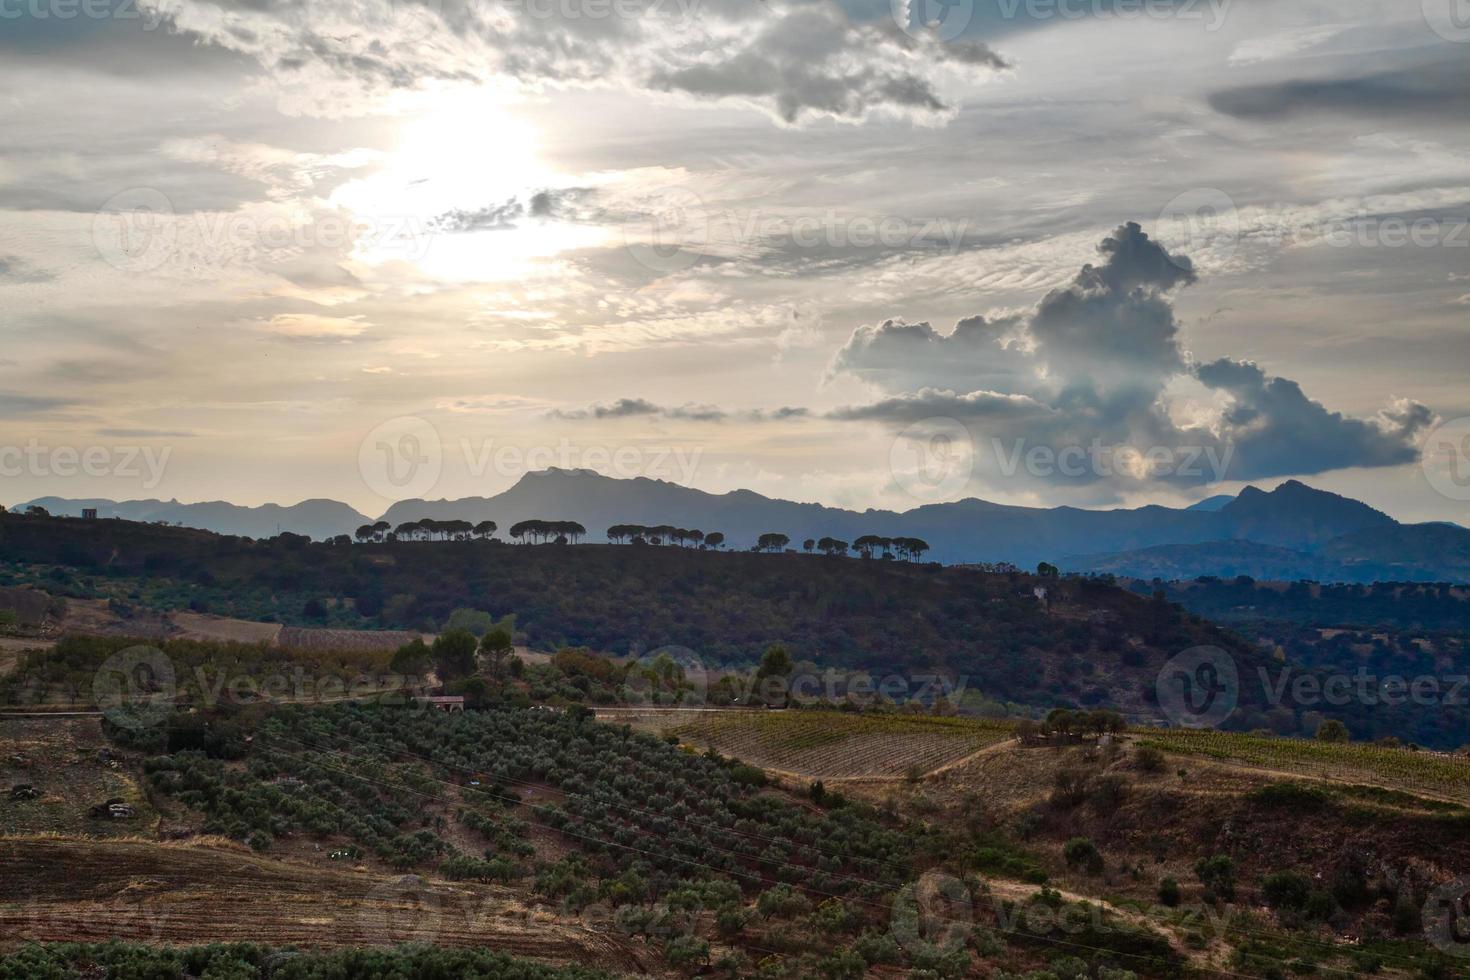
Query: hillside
(543, 834)
(1086, 643)
(1303, 532)
(984, 639)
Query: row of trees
(660, 533)
(906, 548)
(427, 529)
(560, 532)
(865, 546)
(1071, 724)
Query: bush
(1169, 892)
(782, 900)
(1286, 890)
(1291, 796)
(1320, 906)
(1218, 875)
(1070, 788)
(239, 961)
(687, 951)
(1083, 853)
(1108, 792)
(1149, 759)
(877, 948)
(845, 964)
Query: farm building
(442, 703)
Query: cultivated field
(834, 744)
(55, 889)
(1429, 773)
(67, 761)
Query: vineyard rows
(1434, 773)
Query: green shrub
(1286, 890)
(1218, 875)
(1291, 796)
(1083, 853)
(1169, 892)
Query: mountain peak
(1296, 515)
(560, 472)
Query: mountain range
(1291, 532)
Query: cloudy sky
(1094, 252)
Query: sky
(1098, 253)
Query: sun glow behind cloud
(467, 153)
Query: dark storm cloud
(1440, 90)
(1092, 362)
(1112, 328)
(1278, 431)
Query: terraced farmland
(837, 745)
(1432, 774)
(56, 889)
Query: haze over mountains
(1291, 532)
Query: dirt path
(984, 750)
(1205, 960)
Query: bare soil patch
(71, 765)
(56, 889)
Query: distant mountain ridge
(315, 518)
(1291, 532)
